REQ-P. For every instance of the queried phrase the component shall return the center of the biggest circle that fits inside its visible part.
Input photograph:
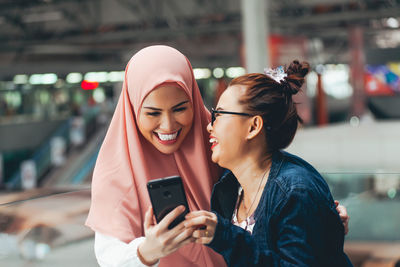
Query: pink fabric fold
(127, 161)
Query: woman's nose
(209, 127)
(167, 123)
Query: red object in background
(321, 106)
(220, 88)
(87, 85)
(375, 87)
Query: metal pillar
(357, 63)
(255, 30)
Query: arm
(112, 252)
(297, 229)
(158, 242)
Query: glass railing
(45, 227)
(373, 202)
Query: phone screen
(165, 195)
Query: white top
(247, 224)
(112, 252)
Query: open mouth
(167, 138)
(213, 141)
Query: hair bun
(295, 76)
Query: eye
(153, 114)
(180, 109)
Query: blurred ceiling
(60, 36)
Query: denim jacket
(296, 220)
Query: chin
(216, 159)
(167, 150)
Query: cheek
(186, 118)
(146, 125)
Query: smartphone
(166, 194)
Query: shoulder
(296, 177)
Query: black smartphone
(166, 194)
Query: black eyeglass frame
(213, 112)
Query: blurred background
(61, 71)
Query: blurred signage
(28, 174)
(382, 80)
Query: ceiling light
(234, 72)
(392, 23)
(74, 77)
(218, 73)
(201, 73)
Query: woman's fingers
(207, 219)
(204, 236)
(170, 217)
(197, 213)
(148, 218)
(199, 218)
(181, 235)
(336, 203)
(344, 217)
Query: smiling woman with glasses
(271, 208)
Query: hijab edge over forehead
(173, 83)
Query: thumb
(148, 218)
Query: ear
(255, 127)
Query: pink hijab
(127, 161)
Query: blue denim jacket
(296, 220)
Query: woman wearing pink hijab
(158, 130)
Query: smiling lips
(167, 139)
(213, 141)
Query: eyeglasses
(213, 112)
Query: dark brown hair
(273, 101)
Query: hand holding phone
(165, 195)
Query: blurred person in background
(158, 130)
(273, 208)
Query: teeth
(167, 137)
(213, 140)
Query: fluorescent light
(74, 77)
(100, 77)
(201, 73)
(116, 76)
(218, 73)
(234, 72)
(392, 23)
(21, 79)
(47, 78)
(35, 79)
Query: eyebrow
(177, 105)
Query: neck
(252, 174)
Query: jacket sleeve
(295, 230)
